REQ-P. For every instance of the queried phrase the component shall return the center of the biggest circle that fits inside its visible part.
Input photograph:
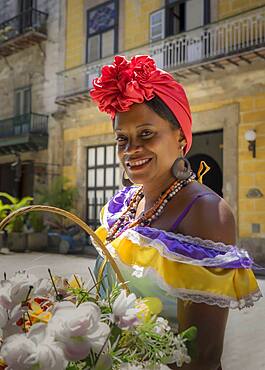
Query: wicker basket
(76, 220)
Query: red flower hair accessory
(124, 83)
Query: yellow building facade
(215, 48)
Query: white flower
(180, 354)
(16, 352)
(15, 290)
(3, 317)
(48, 354)
(34, 350)
(138, 271)
(124, 310)
(78, 329)
(43, 287)
(20, 285)
(161, 326)
(5, 298)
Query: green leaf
(190, 334)
(11, 199)
(115, 333)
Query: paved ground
(245, 335)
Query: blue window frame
(102, 31)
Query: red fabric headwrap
(124, 83)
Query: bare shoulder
(210, 217)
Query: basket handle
(77, 221)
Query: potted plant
(62, 195)
(17, 239)
(38, 234)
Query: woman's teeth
(138, 163)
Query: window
(185, 15)
(22, 101)
(102, 31)
(103, 178)
(22, 110)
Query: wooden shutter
(157, 25)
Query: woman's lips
(137, 164)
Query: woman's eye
(146, 133)
(120, 140)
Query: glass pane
(98, 211)
(109, 154)
(91, 196)
(91, 212)
(117, 157)
(27, 101)
(91, 178)
(101, 18)
(156, 31)
(156, 18)
(117, 176)
(100, 156)
(108, 43)
(100, 197)
(91, 157)
(100, 177)
(93, 48)
(108, 194)
(18, 109)
(109, 177)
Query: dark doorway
(25, 7)
(16, 181)
(208, 147)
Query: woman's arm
(210, 322)
(210, 219)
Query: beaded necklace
(127, 219)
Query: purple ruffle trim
(192, 249)
(115, 205)
(179, 245)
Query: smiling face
(147, 145)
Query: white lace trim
(162, 249)
(223, 302)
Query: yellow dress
(169, 266)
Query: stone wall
(36, 66)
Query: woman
(171, 237)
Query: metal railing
(29, 20)
(30, 123)
(223, 38)
(226, 37)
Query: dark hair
(159, 107)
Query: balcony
(22, 31)
(237, 40)
(28, 132)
